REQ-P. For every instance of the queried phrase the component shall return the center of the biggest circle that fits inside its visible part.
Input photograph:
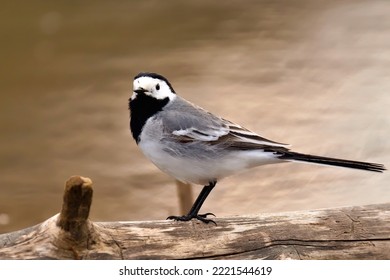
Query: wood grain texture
(360, 232)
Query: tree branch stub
(76, 205)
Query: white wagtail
(195, 146)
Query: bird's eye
(158, 86)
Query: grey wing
(188, 123)
(243, 135)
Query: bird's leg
(193, 213)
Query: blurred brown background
(315, 74)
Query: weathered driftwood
(343, 233)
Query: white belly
(202, 172)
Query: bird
(195, 146)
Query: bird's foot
(200, 217)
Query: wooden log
(361, 232)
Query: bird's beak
(140, 90)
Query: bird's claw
(200, 217)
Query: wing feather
(188, 123)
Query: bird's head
(153, 85)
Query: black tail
(288, 155)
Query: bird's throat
(142, 107)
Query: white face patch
(153, 87)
